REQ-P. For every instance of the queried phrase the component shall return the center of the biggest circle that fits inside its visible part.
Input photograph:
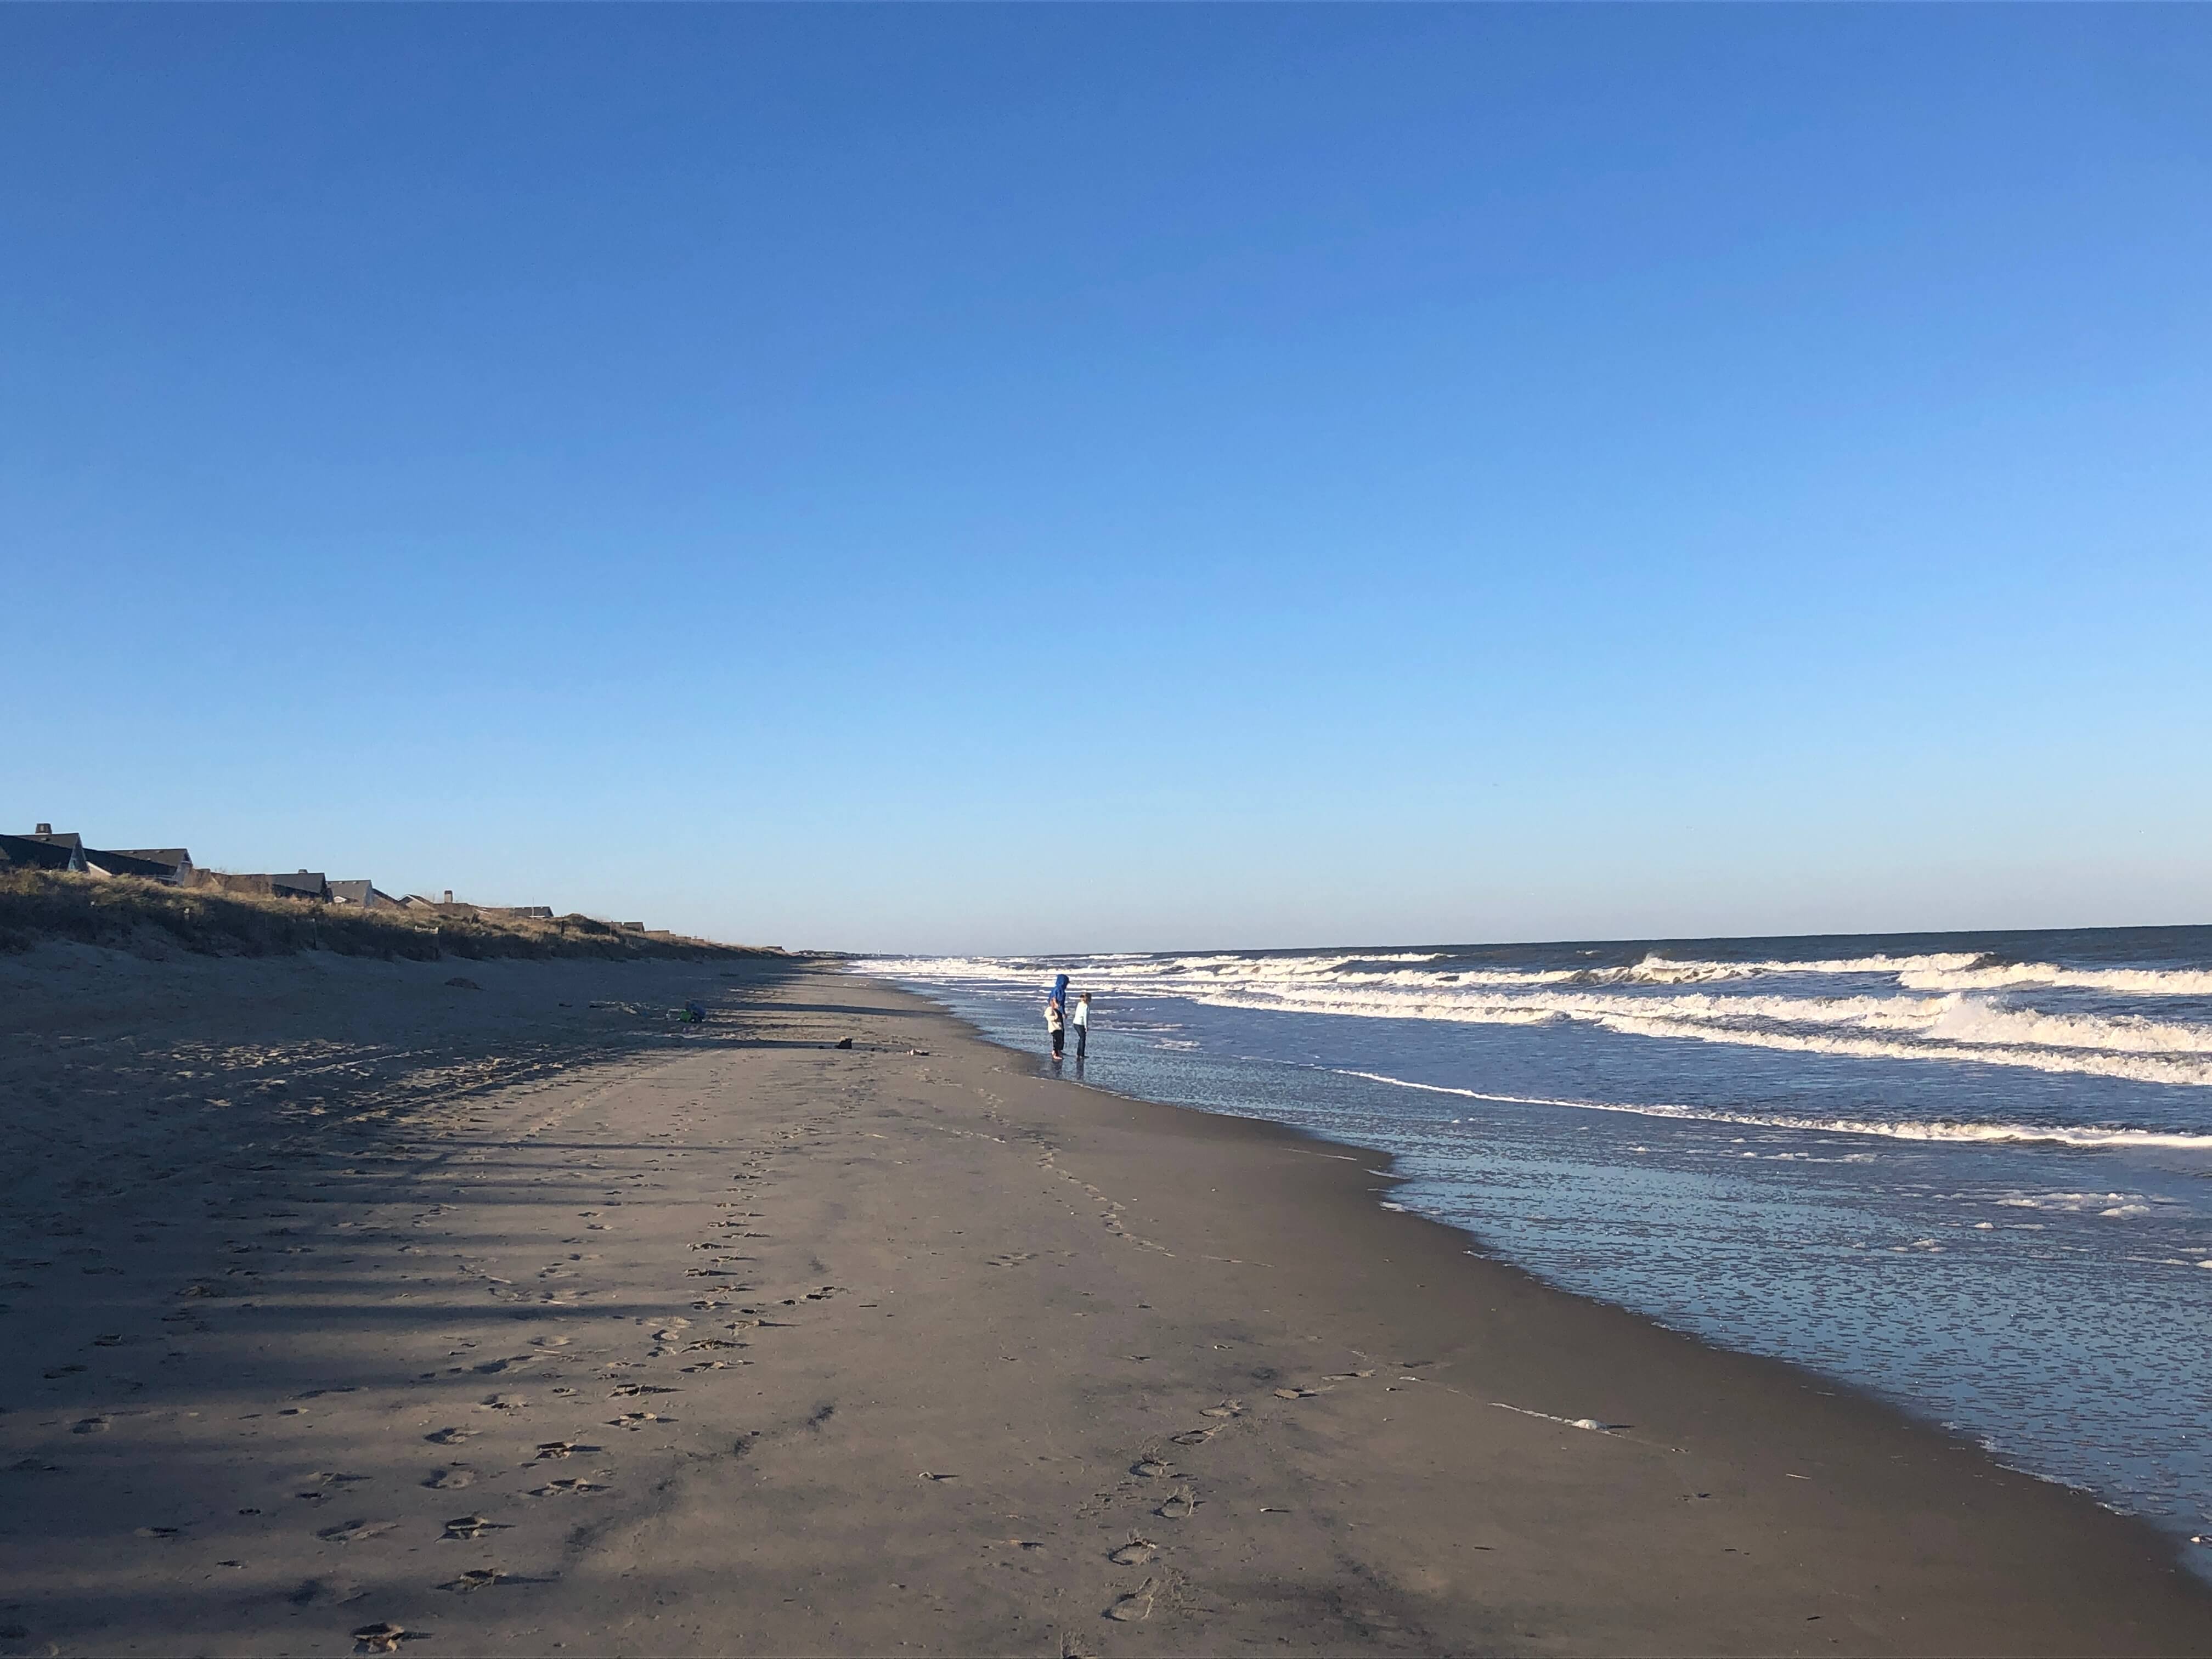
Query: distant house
(366, 894)
(444, 907)
(633, 928)
(45, 851)
(169, 864)
(179, 860)
(301, 884)
(524, 912)
(130, 864)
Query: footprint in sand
(451, 1477)
(352, 1532)
(1296, 1394)
(325, 1593)
(503, 1402)
(450, 1437)
(637, 1420)
(559, 1448)
(1227, 1408)
(1346, 1377)
(99, 1424)
(631, 1390)
(1177, 1504)
(1151, 1468)
(1134, 1554)
(1011, 1258)
(566, 1488)
(474, 1579)
(1193, 1437)
(383, 1637)
(1137, 1604)
(472, 1526)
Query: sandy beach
(348, 1308)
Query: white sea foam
(1947, 1006)
(2060, 1134)
(1936, 971)
(1667, 971)
(2117, 1206)
(2136, 982)
(1950, 1027)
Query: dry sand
(490, 1321)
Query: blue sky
(1067, 477)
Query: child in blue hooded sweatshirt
(1055, 1015)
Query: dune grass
(125, 914)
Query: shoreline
(1377, 1172)
(859, 1349)
(2040, 1300)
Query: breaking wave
(1942, 1006)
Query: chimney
(44, 830)
(449, 895)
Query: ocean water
(1971, 1172)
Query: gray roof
(169, 856)
(126, 864)
(38, 853)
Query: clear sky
(1065, 478)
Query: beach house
(179, 860)
(300, 885)
(366, 894)
(67, 851)
(43, 852)
(144, 867)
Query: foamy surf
(1988, 1134)
(1937, 1006)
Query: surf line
(1967, 1133)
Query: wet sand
(483, 1324)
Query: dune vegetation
(38, 906)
